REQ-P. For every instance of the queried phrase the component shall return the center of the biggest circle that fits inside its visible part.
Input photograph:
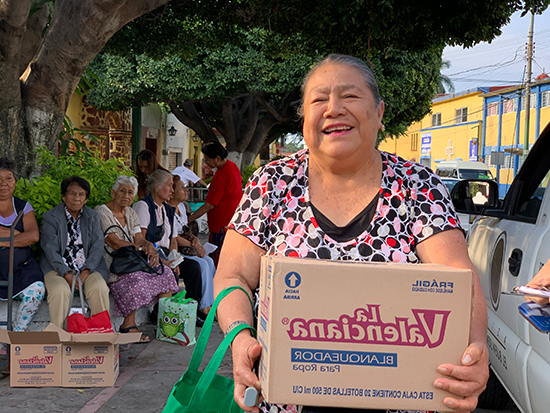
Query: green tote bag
(206, 392)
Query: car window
(530, 208)
(449, 184)
(475, 174)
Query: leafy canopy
(44, 192)
(407, 80)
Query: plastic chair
(9, 282)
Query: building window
(509, 105)
(414, 142)
(545, 99)
(492, 109)
(461, 115)
(532, 101)
(436, 119)
(508, 161)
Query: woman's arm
(469, 379)
(113, 241)
(239, 265)
(204, 208)
(29, 236)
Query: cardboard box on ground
(360, 335)
(55, 358)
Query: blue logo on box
(293, 280)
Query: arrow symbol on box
(293, 279)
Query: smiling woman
(28, 280)
(121, 228)
(342, 199)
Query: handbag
(188, 235)
(79, 319)
(127, 259)
(177, 319)
(206, 392)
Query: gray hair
(125, 180)
(342, 59)
(157, 178)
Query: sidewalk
(147, 374)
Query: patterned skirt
(140, 289)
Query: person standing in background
(224, 194)
(146, 164)
(186, 174)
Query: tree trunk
(236, 157)
(248, 159)
(78, 31)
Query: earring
(383, 128)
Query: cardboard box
(35, 358)
(360, 335)
(53, 357)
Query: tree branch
(192, 119)
(268, 107)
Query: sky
(503, 61)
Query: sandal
(143, 339)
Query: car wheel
(495, 396)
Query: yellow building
(485, 124)
(448, 133)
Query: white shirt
(142, 211)
(180, 220)
(186, 175)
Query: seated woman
(156, 219)
(190, 246)
(28, 279)
(136, 289)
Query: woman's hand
(468, 380)
(152, 253)
(540, 282)
(246, 350)
(197, 245)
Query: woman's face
(181, 193)
(124, 195)
(7, 184)
(143, 166)
(75, 198)
(341, 118)
(166, 190)
(212, 162)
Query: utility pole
(528, 88)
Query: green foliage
(68, 140)
(253, 63)
(247, 173)
(407, 80)
(182, 27)
(44, 192)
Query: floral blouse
(275, 213)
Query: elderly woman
(190, 244)
(121, 227)
(28, 279)
(158, 226)
(346, 195)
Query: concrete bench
(42, 317)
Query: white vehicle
(463, 170)
(508, 243)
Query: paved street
(147, 374)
